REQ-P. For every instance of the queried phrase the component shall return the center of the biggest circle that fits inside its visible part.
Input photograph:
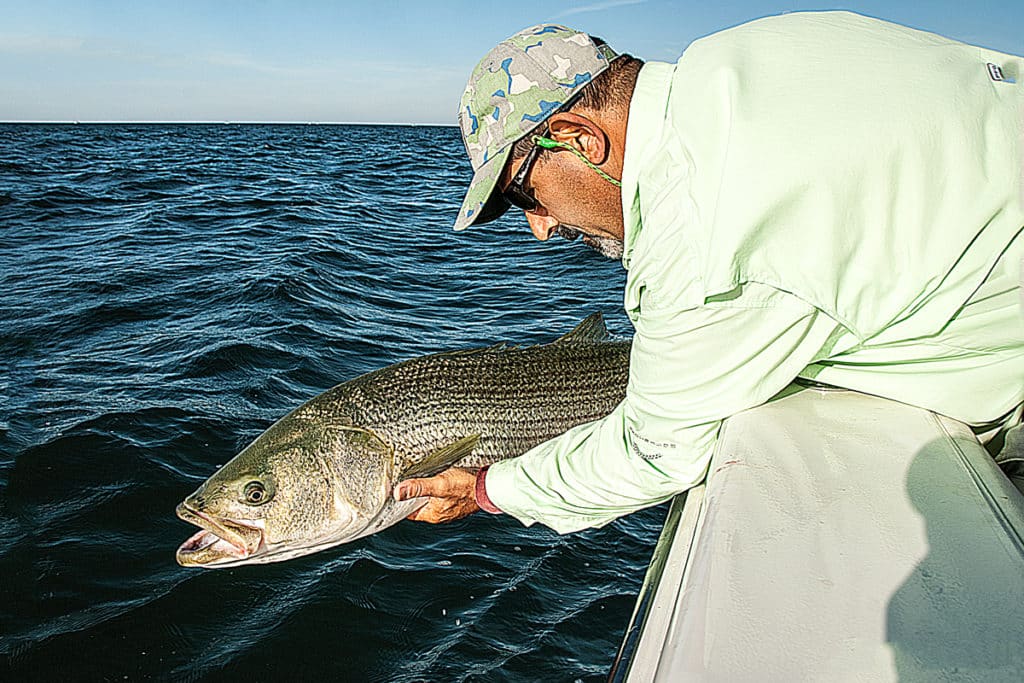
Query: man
(815, 195)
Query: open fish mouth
(220, 541)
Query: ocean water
(166, 293)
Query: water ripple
(170, 291)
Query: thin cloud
(598, 7)
(29, 44)
(70, 47)
(350, 70)
(246, 63)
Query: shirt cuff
(481, 493)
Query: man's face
(571, 199)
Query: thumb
(414, 488)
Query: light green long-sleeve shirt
(820, 195)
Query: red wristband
(481, 493)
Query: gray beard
(608, 247)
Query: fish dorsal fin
(443, 458)
(592, 329)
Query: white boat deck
(838, 537)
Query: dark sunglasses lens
(514, 193)
(519, 199)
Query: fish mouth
(220, 540)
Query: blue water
(167, 292)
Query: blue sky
(369, 61)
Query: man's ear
(582, 133)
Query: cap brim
(481, 204)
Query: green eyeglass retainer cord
(548, 143)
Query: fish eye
(256, 493)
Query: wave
(169, 292)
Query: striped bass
(324, 473)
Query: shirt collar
(643, 131)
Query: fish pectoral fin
(443, 458)
(591, 329)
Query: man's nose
(541, 226)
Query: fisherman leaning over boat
(815, 195)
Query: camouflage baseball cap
(516, 86)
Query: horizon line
(71, 122)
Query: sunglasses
(517, 195)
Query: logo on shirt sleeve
(648, 449)
(995, 72)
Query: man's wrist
(480, 493)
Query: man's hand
(452, 495)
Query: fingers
(441, 510)
(450, 495)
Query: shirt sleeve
(689, 370)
